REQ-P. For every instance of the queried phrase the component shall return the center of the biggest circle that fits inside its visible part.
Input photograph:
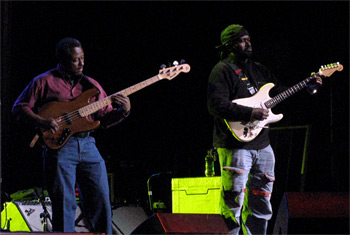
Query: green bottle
(209, 164)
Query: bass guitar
(72, 116)
(247, 131)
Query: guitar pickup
(67, 119)
(245, 132)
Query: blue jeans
(79, 161)
(247, 180)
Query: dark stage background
(169, 128)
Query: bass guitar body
(68, 124)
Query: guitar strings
(285, 94)
(75, 114)
(67, 117)
(106, 101)
(61, 121)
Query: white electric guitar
(247, 131)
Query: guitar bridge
(65, 133)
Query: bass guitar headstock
(171, 72)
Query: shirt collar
(66, 75)
(70, 78)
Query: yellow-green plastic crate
(196, 195)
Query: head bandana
(232, 34)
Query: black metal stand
(45, 214)
(149, 189)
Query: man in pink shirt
(79, 160)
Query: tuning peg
(175, 63)
(163, 66)
(182, 61)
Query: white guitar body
(246, 132)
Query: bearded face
(243, 48)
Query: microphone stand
(149, 189)
(45, 214)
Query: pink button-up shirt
(54, 85)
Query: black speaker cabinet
(313, 213)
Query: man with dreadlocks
(247, 168)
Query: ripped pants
(247, 180)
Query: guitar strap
(244, 78)
(87, 84)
